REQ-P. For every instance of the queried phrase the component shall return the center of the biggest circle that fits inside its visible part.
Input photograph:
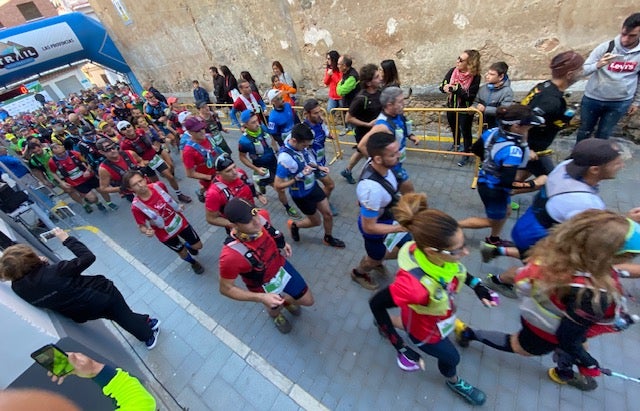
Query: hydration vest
(65, 173)
(368, 173)
(440, 300)
(545, 312)
(301, 159)
(492, 147)
(559, 182)
(119, 170)
(155, 218)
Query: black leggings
(465, 121)
(444, 350)
(118, 310)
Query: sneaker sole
(295, 237)
(466, 397)
(363, 283)
(156, 333)
(413, 368)
(334, 246)
(504, 290)
(486, 251)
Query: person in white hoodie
(612, 89)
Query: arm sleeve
(84, 258)
(125, 390)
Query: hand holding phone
(53, 359)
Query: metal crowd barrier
(427, 125)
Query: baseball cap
(240, 211)
(518, 114)
(273, 93)
(194, 124)
(246, 116)
(122, 125)
(591, 152)
(172, 99)
(183, 116)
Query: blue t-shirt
(281, 121)
(398, 127)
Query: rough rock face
(175, 41)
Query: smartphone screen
(53, 359)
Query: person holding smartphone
(126, 390)
(62, 288)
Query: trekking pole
(610, 373)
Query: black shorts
(188, 234)
(88, 185)
(531, 343)
(309, 203)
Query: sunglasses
(454, 252)
(126, 127)
(110, 148)
(461, 60)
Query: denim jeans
(605, 114)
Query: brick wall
(11, 16)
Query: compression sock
(189, 259)
(495, 339)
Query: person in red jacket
(570, 292)
(332, 76)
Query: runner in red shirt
(229, 182)
(157, 213)
(115, 164)
(257, 252)
(74, 175)
(199, 155)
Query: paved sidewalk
(215, 353)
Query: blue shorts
(527, 232)
(296, 287)
(495, 201)
(400, 173)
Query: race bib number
(173, 227)
(156, 162)
(403, 155)
(217, 138)
(76, 173)
(257, 177)
(277, 283)
(391, 240)
(309, 181)
(446, 326)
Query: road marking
(250, 357)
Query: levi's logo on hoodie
(623, 66)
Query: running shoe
(333, 242)
(113, 206)
(184, 198)
(295, 231)
(488, 252)
(406, 364)
(382, 270)
(263, 190)
(499, 243)
(101, 207)
(282, 324)
(200, 195)
(463, 162)
(88, 208)
(467, 391)
(495, 284)
(579, 381)
(364, 280)
(197, 267)
(153, 340)
(154, 323)
(515, 206)
(460, 329)
(293, 213)
(348, 176)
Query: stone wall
(175, 41)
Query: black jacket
(61, 287)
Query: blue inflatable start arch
(34, 48)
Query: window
(29, 11)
